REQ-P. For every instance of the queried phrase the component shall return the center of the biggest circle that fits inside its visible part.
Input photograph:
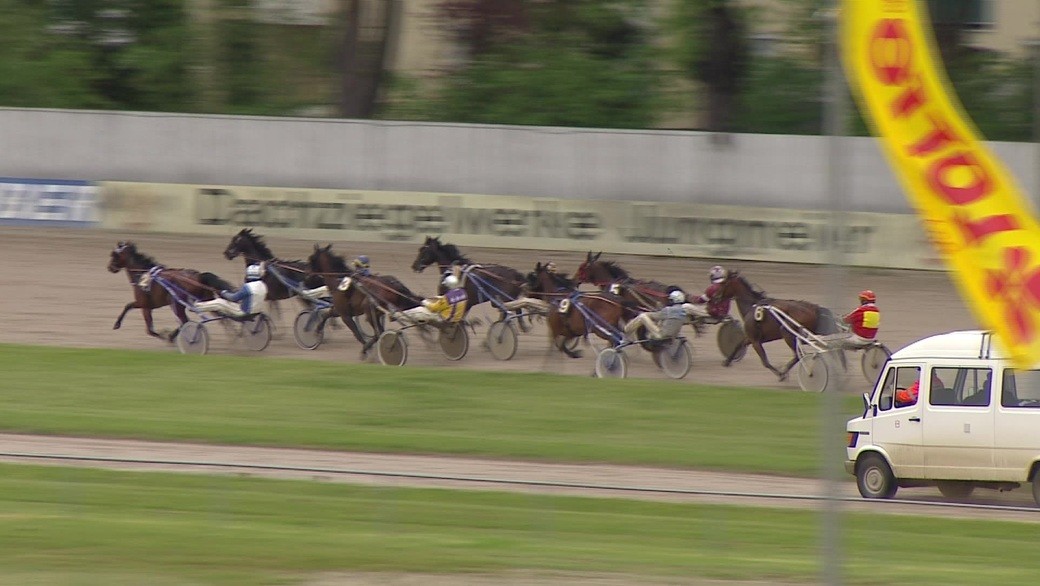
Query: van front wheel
(875, 480)
(1036, 488)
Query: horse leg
(126, 309)
(146, 312)
(182, 316)
(792, 343)
(765, 360)
(377, 327)
(733, 355)
(561, 345)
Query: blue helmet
(361, 262)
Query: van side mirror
(866, 403)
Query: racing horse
(483, 282)
(761, 327)
(196, 285)
(573, 314)
(283, 278)
(365, 295)
(609, 276)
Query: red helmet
(866, 296)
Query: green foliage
(997, 93)
(577, 64)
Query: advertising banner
(975, 214)
(48, 201)
(664, 229)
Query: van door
(958, 424)
(897, 422)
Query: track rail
(501, 481)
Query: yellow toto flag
(974, 212)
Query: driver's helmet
(254, 272)
(867, 296)
(550, 267)
(676, 296)
(450, 281)
(361, 262)
(717, 274)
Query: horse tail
(826, 323)
(214, 282)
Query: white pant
(221, 306)
(696, 310)
(420, 314)
(643, 319)
(848, 340)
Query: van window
(968, 387)
(1020, 388)
(897, 379)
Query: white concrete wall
(687, 167)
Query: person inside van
(908, 396)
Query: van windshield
(1020, 388)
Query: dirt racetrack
(56, 291)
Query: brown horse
(573, 314)
(483, 282)
(609, 276)
(760, 326)
(187, 286)
(366, 295)
(291, 274)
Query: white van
(975, 421)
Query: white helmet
(677, 296)
(450, 281)
(717, 274)
(254, 272)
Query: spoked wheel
(502, 340)
(729, 337)
(392, 348)
(256, 331)
(309, 328)
(192, 338)
(611, 363)
(813, 372)
(674, 358)
(874, 357)
(454, 341)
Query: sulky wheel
(256, 332)
(392, 348)
(874, 358)
(454, 341)
(192, 338)
(674, 358)
(730, 338)
(813, 373)
(309, 328)
(502, 340)
(611, 363)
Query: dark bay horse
(252, 248)
(483, 282)
(365, 295)
(761, 326)
(573, 314)
(193, 284)
(609, 276)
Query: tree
(711, 47)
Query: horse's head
(584, 272)
(237, 244)
(541, 280)
(120, 256)
(325, 262)
(428, 254)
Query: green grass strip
(79, 526)
(266, 401)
